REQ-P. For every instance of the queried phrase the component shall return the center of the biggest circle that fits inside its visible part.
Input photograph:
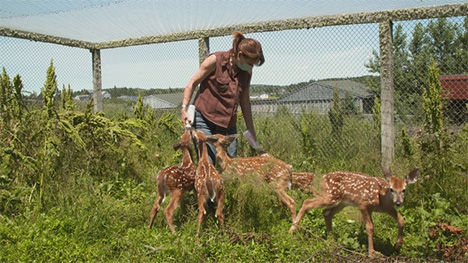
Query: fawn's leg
(288, 201)
(176, 195)
(367, 217)
(155, 209)
(281, 186)
(219, 208)
(401, 222)
(201, 211)
(328, 215)
(306, 206)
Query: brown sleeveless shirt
(219, 94)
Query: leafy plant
(432, 103)
(408, 144)
(377, 117)
(79, 186)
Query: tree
(420, 59)
(349, 108)
(49, 90)
(401, 61)
(432, 102)
(443, 45)
(67, 99)
(139, 109)
(444, 41)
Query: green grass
(96, 199)
(103, 224)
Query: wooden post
(203, 48)
(97, 80)
(387, 90)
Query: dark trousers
(209, 128)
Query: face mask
(244, 67)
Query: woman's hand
(184, 116)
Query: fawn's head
(185, 141)
(223, 141)
(397, 186)
(198, 136)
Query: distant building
(455, 87)
(157, 103)
(128, 97)
(164, 101)
(105, 94)
(318, 96)
(262, 96)
(82, 98)
(455, 94)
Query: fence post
(203, 48)
(387, 96)
(97, 80)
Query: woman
(224, 79)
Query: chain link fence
(416, 44)
(317, 97)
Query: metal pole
(387, 90)
(203, 48)
(97, 80)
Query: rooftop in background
(455, 86)
(323, 90)
(109, 20)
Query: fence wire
(316, 97)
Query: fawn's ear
(386, 171)
(232, 137)
(412, 176)
(212, 138)
(194, 134)
(176, 146)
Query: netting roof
(108, 20)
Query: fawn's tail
(162, 185)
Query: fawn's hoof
(397, 247)
(292, 229)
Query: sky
(291, 56)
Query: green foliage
(432, 102)
(49, 90)
(349, 108)
(11, 99)
(436, 142)
(440, 39)
(150, 118)
(78, 186)
(67, 102)
(308, 137)
(423, 221)
(251, 204)
(408, 144)
(377, 117)
(139, 109)
(47, 144)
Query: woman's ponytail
(238, 37)
(249, 47)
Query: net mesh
(104, 20)
(293, 94)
